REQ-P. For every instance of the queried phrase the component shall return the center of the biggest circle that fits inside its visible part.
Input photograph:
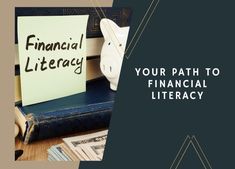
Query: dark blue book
(121, 16)
(17, 85)
(81, 112)
(17, 70)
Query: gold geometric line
(140, 34)
(95, 9)
(199, 155)
(191, 142)
(94, 5)
(102, 11)
(140, 24)
(194, 137)
(181, 158)
(180, 150)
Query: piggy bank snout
(110, 67)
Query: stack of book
(89, 147)
(80, 112)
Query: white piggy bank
(113, 50)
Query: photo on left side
(67, 67)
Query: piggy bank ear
(108, 27)
(115, 34)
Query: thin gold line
(197, 151)
(143, 29)
(180, 150)
(102, 11)
(202, 151)
(137, 28)
(140, 25)
(199, 155)
(109, 32)
(96, 9)
(182, 155)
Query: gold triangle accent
(138, 33)
(190, 141)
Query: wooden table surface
(36, 151)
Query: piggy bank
(113, 50)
